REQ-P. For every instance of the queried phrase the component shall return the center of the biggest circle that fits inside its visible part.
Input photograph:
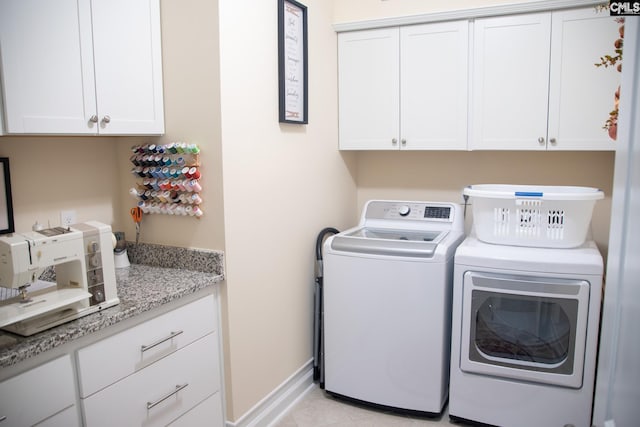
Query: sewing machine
(85, 282)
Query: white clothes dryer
(387, 305)
(525, 327)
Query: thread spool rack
(167, 179)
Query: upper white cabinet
(404, 88)
(433, 86)
(88, 67)
(510, 81)
(535, 85)
(369, 89)
(581, 95)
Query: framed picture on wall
(6, 202)
(292, 62)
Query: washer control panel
(392, 210)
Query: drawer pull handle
(166, 396)
(160, 341)
(3, 418)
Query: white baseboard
(276, 404)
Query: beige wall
(192, 114)
(282, 184)
(441, 176)
(50, 174)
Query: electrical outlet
(67, 218)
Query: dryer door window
(528, 328)
(529, 331)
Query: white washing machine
(524, 334)
(387, 305)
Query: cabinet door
(47, 66)
(510, 82)
(39, 393)
(581, 95)
(128, 64)
(368, 82)
(433, 86)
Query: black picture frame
(292, 62)
(6, 200)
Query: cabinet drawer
(207, 413)
(151, 397)
(115, 357)
(66, 418)
(27, 387)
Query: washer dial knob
(404, 210)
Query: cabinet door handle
(541, 140)
(403, 141)
(106, 119)
(92, 119)
(3, 418)
(553, 141)
(394, 141)
(166, 396)
(144, 348)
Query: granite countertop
(158, 275)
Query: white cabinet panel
(433, 86)
(581, 95)
(66, 418)
(170, 331)
(511, 82)
(535, 84)
(404, 88)
(207, 413)
(46, 66)
(368, 89)
(81, 67)
(24, 401)
(152, 396)
(128, 66)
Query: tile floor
(317, 409)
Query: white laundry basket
(530, 215)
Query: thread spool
(194, 173)
(195, 185)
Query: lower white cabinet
(24, 401)
(139, 346)
(160, 393)
(158, 372)
(164, 370)
(207, 413)
(66, 418)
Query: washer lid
(409, 243)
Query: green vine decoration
(615, 60)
